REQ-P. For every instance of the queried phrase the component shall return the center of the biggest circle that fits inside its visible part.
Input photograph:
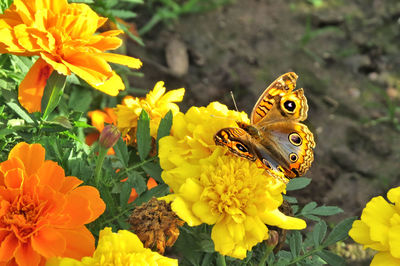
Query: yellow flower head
(379, 228)
(63, 35)
(215, 187)
(120, 249)
(157, 104)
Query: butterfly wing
(279, 93)
(291, 144)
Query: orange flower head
(63, 35)
(42, 212)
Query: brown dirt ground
(347, 56)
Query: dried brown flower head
(156, 225)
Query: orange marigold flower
(42, 212)
(62, 34)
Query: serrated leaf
(20, 112)
(121, 151)
(331, 258)
(339, 232)
(143, 135)
(326, 210)
(125, 193)
(310, 206)
(165, 126)
(319, 232)
(137, 181)
(295, 243)
(298, 183)
(154, 170)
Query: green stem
(221, 260)
(99, 164)
(268, 250)
(139, 164)
(307, 254)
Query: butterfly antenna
(234, 102)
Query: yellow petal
(121, 59)
(384, 259)
(394, 241)
(183, 210)
(276, 218)
(111, 86)
(223, 242)
(202, 209)
(360, 232)
(394, 195)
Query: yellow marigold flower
(157, 104)
(379, 228)
(62, 34)
(120, 249)
(213, 186)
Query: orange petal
(133, 195)
(25, 255)
(31, 89)
(122, 60)
(11, 163)
(8, 246)
(80, 242)
(151, 183)
(14, 177)
(49, 242)
(84, 205)
(32, 156)
(70, 182)
(91, 138)
(51, 174)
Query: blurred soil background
(347, 56)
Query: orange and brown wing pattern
(280, 87)
(237, 140)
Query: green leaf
(20, 112)
(143, 135)
(326, 210)
(340, 231)
(207, 245)
(137, 180)
(291, 200)
(319, 232)
(165, 126)
(158, 191)
(52, 93)
(121, 151)
(331, 258)
(311, 217)
(295, 243)
(298, 183)
(82, 124)
(123, 14)
(309, 207)
(125, 193)
(154, 170)
(80, 100)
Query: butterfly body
(275, 139)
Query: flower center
(21, 217)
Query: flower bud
(109, 136)
(273, 238)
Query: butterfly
(275, 138)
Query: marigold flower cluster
(214, 187)
(63, 35)
(379, 228)
(157, 104)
